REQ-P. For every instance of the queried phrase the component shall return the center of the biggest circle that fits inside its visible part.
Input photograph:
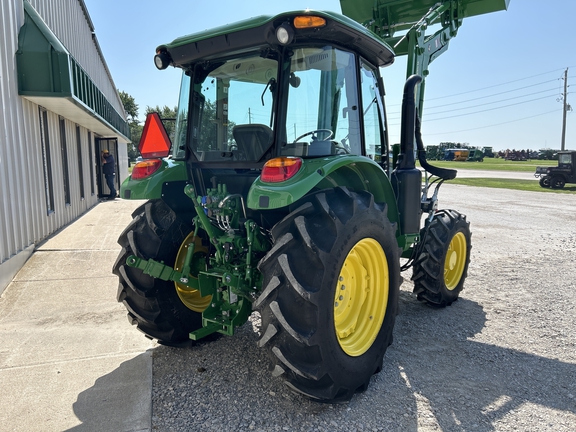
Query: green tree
(131, 108)
(168, 116)
(209, 126)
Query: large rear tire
(442, 264)
(330, 294)
(162, 310)
(557, 182)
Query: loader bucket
(390, 16)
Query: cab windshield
(329, 105)
(564, 158)
(235, 104)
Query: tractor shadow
(435, 377)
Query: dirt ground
(501, 358)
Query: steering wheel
(328, 131)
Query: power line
(489, 103)
(396, 116)
(496, 85)
(492, 125)
(492, 86)
(492, 95)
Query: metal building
(59, 108)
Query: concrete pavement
(69, 359)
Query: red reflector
(280, 169)
(145, 168)
(154, 141)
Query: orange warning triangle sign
(154, 142)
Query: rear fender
(358, 173)
(151, 187)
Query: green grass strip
(496, 164)
(515, 184)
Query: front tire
(544, 182)
(330, 294)
(162, 310)
(442, 264)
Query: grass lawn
(527, 185)
(494, 164)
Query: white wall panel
(24, 216)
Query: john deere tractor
(276, 193)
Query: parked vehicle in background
(548, 154)
(475, 155)
(488, 152)
(556, 177)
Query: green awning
(49, 76)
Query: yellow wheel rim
(455, 261)
(361, 297)
(191, 297)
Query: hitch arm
(161, 271)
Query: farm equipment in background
(548, 154)
(279, 196)
(488, 152)
(475, 155)
(456, 155)
(556, 177)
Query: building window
(64, 151)
(91, 160)
(46, 160)
(79, 156)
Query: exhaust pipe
(406, 178)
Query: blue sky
(499, 84)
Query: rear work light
(280, 169)
(145, 168)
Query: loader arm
(412, 18)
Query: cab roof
(261, 32)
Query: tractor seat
(253, 140)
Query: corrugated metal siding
(24, 216)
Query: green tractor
(278, 195)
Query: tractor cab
(293, 98)
(310, 101)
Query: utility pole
(565, 109)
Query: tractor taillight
(145, 168)
(280, 169)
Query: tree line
(167, 114)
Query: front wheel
(330, 294)
(544, 182)
(442, 263)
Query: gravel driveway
(501, 358)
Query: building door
(110, 144)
